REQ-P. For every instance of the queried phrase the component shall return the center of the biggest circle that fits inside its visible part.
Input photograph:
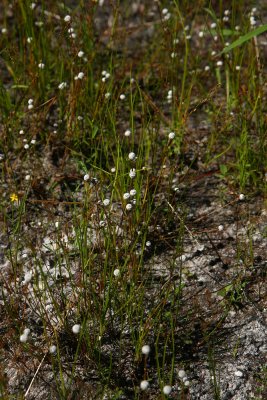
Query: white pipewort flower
(186, 383)
(26, 331)
(132, 192)
(252, 20)
(4, 31)
(132, 173)
(106, 202)
(225, 18)
(23, 338)
(52, 349)
(219, 64)
(41, 65)
(107, 95)
(144, 385)
(29, 39)
(80, 75)
(207, 68)
(220, 228)
(173, 54)
(201, 34)
(80, 118)
(167, 17)
(122, 96)
(181, 373)
(129, 206)
(146, 349)
(102, 223)
(70, 30)
(26, 146)
(167, 390)
(33, 141)
(27, 177)
(116, 272)
(131, 156)
(76, 328)
(148, 243)
(33, 5)
(165, 11)
(171, 135)
(113, 170)
(241, 197)
(30, 101)
(67, 18)
(62, 85)
(80, 54)
(21, 132)
(86, 177)
(237, 67)
(127, 133)
(213, 25)
(126, 196)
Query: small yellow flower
(14, 198)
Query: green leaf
(245, 38)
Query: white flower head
(122, 96)
(132, 192)
(126, 195)
(181, 373)
(106, 202)
(76, 329)
(132, 173)
(167, 390)
(241, 197)
(67, 18)
(86, 177)
(127, 133)
(220, 228)
(116, 272)
(62, 85)
(80, 75)
(52, 349)
(80, 54)
(129, 206)
(132, 156)
(171, 135)
(146, 349)
(144, 385)
(41, 65)
(29, 39)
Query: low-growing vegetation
(133, 223)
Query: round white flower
(132, 192)
(26, 146)
(146, 349)
(132, 173)
(106, 202)
(52, 349)
(129, 206)
(41, 65)
(122, 97)
(171, 135)
(148, 243)
(131, 156)
(76, 328)
(126, 195)
(144, 385)
(116, 272)
(80, 75)
(29, 39)
(167, 390)
(62, 85)
(21, 132)
(80, 54)
(127, 133)
(181, 373)
(219, 63)
(107, 95)
(86, 177)
(67, 18)
(241, 197)
(23, 338)
(220, 228)
(26, 331)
